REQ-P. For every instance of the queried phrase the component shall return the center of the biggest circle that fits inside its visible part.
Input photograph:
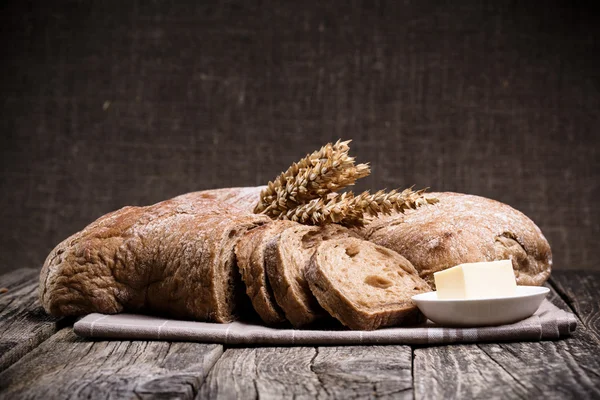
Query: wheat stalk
(324, 171)
(386, 202)
(350, 210)
(323, 210)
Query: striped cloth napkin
(548, 323)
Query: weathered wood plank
(66, 366)
(555, 370)
(581, 290)
(461, 372)
(23, 322)
(365, 371)
(562, 369)
(307, 372)
(555, 299)
(252, 373)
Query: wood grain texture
(307, 372)
(66, 366)
(113, 103)
(554, 370)
(23, 322)
(556, 299)
(365, 371)
(581, 290)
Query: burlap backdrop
(113, 103)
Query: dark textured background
(105, 104)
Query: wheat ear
(350, 210)
(324, 171)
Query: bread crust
(243, 198)
(250, 255)
(286, 257)
(464, 228)
(285, 275)
(175, 258)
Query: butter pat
(476, 280)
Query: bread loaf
(363, 285)
(287, 256)
(250, 255)
(174, 258)
(461, 229)
(178, 258)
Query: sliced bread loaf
(173, 258)
(363, 285)
(286, 257)
(250, 252)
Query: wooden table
(41, 357)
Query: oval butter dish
(482, 312)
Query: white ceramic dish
(482, 312)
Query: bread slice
(287, 256)
(250, 252)
(363, 285)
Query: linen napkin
(547, 323)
